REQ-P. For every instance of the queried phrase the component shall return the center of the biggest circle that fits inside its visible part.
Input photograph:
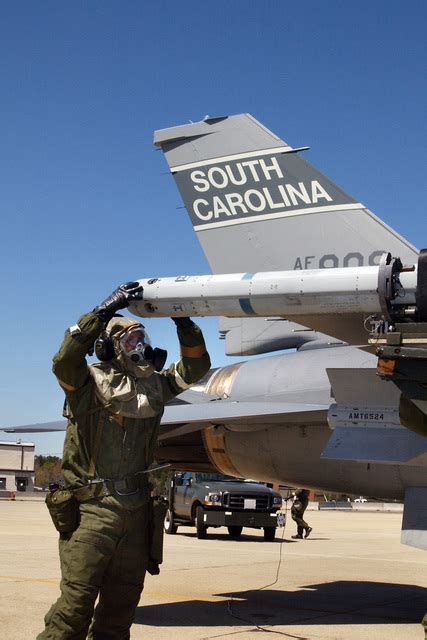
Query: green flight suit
(108, 554)
(298, 508)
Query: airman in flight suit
(299, 505)
(105, 513)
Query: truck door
(189, 491)
(182, 485)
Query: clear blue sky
(86, 200)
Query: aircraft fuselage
(281, 448)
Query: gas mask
(135, 345)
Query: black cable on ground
(271, 584)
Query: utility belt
(99, 488)
(63, 503)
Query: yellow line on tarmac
(151, 594)
(24, 579)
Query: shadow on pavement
(245, 537)
(341, 602)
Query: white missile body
(284, 294)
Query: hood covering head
(115, 329)
(122, 386)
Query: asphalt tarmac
(352, 580)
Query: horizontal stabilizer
(254, 336)
(414, 525)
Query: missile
(286, 294)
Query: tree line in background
(48, 469)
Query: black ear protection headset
(104, 351)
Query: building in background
(16, 466)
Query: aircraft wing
(239, 416)
(204, 411)
(37, 427)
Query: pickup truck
(213, 500)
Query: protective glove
(119, 299)
(184, 323)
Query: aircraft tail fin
(256, 205)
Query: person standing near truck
(298, 508)
(105, 514)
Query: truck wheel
(269, 534)
(234, 531)
(169, 523)
(201, 528)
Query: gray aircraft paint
(326, 233)
(302, 236)
(284, 436)
(311, 237)
(365, 420)
(255, 336)
(215, 137)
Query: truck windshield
(215, 477)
